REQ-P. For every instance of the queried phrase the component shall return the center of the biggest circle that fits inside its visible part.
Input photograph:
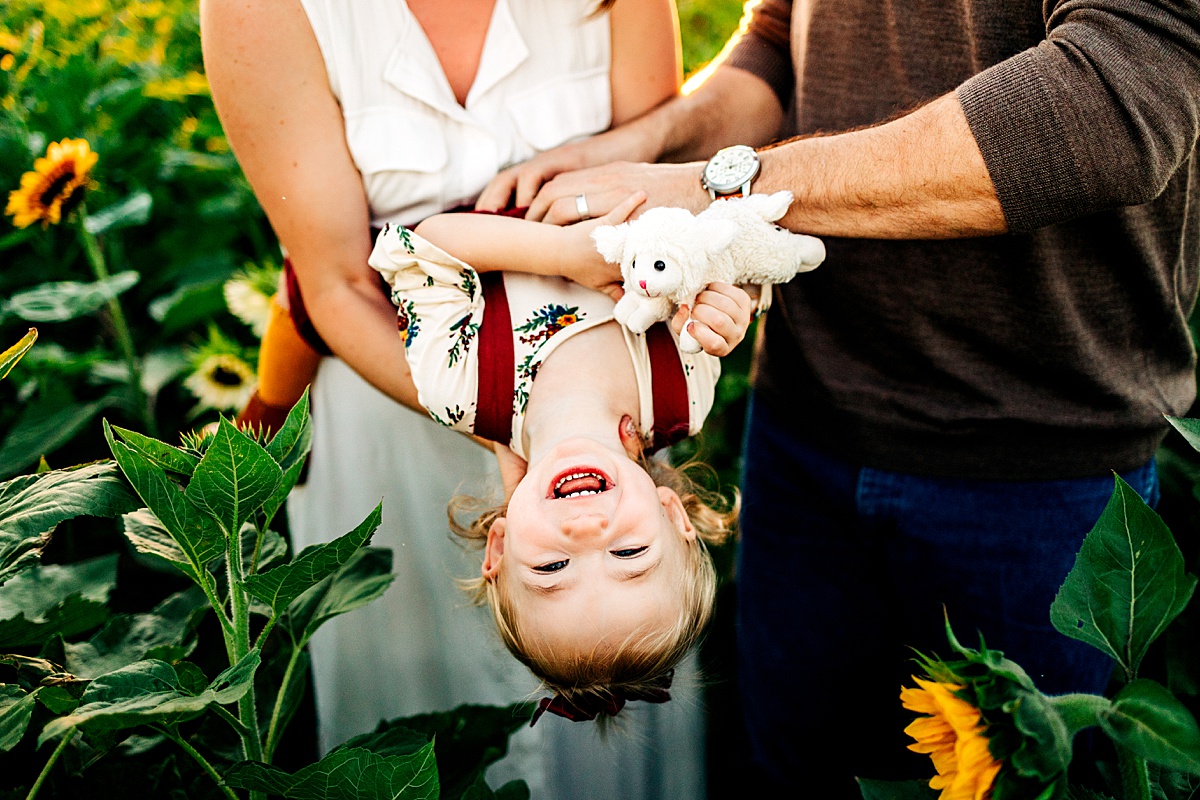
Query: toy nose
(642, 284)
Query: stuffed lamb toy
(668, 256)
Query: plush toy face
(658, 252)
(656, 270)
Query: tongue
(589, 483)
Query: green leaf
(234, 478)
(1149, 721)
(1045, 751)
(197, 535)
(65, 599)
(65, 300)
(280, 586)
(1079, 711)
(469, 739)
(12, 355)
(133, 210)
(150, 692)
(291, 443)
(1127, 584)
(31, 506)
(273, 503)
(1169, 784)
(43, 427)
(58, 699)
(365, 576)
(1189, 428)
(167, 633)
(479, 790)
(164, 455)
(16, 709)
(149, 537)
(895, 790)
(346, 774)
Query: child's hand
(584, 265)
(719, 319)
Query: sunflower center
(56, 186)
(225, 377)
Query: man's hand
(583, 264)
(605, 187)
(521, 182)
(719, 319)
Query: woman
(350, 113)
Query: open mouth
(579, 482)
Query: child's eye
(553, 566)
(629, 552)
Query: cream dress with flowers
(542, 80)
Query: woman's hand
(520, 183)
(719, 318)
(583, 264)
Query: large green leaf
(164, 455)
(166, 633)
(235, 476)
(64, 599)
(150, 538)
(365, 576)
(16, 709)
(479, 790)
(1169, 784)
(1150, 721)
(197, 535)
(65, 300)
(133, 210)
(12, 355)
(46, 425)
(1045, 751)
(32, 505)
(280, 586)
(1127, 584)
(469, 739)
(346, 774)
(291, 443)
(151, 692)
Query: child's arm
(493, 243)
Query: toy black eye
(659, 266)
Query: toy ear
(610, 241)
(717, 235)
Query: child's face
(590, 550)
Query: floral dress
(455, 356)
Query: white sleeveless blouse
(418, 150)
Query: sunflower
(55, 186)
(952, 735)
(248, 295)
(222, 381)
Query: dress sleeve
(1100, 114)
(764, 47)
(439, 308)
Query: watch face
(730, 168)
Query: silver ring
(582, 207)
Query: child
(595, 566)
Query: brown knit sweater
(1049, 352)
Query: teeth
(573, 476)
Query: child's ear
(494, 551)
(673, 508)
(610, 241)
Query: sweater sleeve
(1100, 114)
(763, 47)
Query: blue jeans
(843, 571)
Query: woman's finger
(530, 182)
(495, 195)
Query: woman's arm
(270, 88)
(646, 70)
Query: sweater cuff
(1025, 145)
(768, 62)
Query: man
(1008, 203)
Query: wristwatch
(729, 171)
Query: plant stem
(1135, 779)
(95, 258)
(58, 751)
(233, 721)
(274, 733)
(202, 761)
(240, 605)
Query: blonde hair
(643, 662)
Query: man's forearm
(917, 177)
